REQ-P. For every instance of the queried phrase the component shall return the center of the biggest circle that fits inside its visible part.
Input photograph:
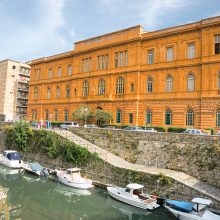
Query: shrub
(19, 136)
(176, 129)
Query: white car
(194, 131)
(149, 130)
(69, 125)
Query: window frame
(169, 83)
(190, 81)
(168, 117)
(170, 56)
(190, 117)
(150, 56)
(120, 86)
(191, 50)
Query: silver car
(69, 125)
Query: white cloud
(41, 37)
(153, 10)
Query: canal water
(31, 198)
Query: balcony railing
(22, 97)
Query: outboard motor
(44, 173)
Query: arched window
(191, 51)
(189, 118)
(56, 115)
(149, 117)
(101, 90)
(47, 115)
(149, 85)
(58, 92)
(66, 115)
(85, 88)
(168, 117)
(36, 92)
(48, 93)
(169, 84)
(67, 91)
(218, 118)
(120, 86)
(118, 116)
(190, 82)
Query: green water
(31, 198)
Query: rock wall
(198, 156)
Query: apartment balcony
(21, 104)
(22, 97)
(23, 89)
(24, 72)
(24, 80)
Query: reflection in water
(31, 198)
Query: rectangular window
(132, 87)
(50, 73)
(130, 118)
(13, 67)
(169, 54)
(87, 65)
(59, 71)
(106, 61)
(125, 58)
(69, 70)
(99, 62)
(103, 62)
(150, 56)
(116, 60)
(217, 44)
(83, 63)
(120, 59)
(90, 64)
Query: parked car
(133, 128)
(193, 131)
(90, 126)
(69, 125)
(146, 129)
(218, 133)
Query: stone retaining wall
(198, 156)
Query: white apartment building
(14, 89)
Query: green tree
(22, 134)
(103, 117)
(83, 114)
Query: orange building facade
(169, 77)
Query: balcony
(23, 89)
(24, 72)
(21, 104)
(22, 97)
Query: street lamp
(85, 109)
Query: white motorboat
(35, 169)
(133, 195)
(73, 178)
(197, 210)
(11, 158)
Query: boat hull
(190, 216)
(131, 201)
(15, 164)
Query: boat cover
(210, 216)
(36, 167)
(180, 205)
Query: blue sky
(36, 28)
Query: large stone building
(14, 88)
(169, 77)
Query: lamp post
(85, 109)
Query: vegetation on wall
(21, 137)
